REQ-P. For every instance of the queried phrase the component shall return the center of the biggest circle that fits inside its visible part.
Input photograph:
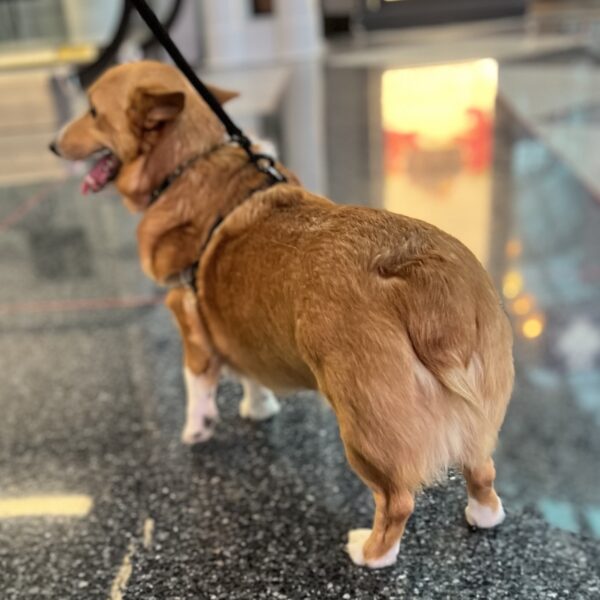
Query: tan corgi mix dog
(395, 322)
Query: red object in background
(397, 146)
(477, 143)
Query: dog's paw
(198, 433)
(483, 517)
(355, 546)
(259, 407)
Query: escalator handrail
(88, 73)
(151, 41)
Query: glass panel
(438, 139)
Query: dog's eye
(93, 112)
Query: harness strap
(187, 277)
(170, 178)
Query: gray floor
(92, 395)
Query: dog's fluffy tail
(460, 381)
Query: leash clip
(266, 164)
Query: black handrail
(151, 41)
(88, 73)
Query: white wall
(234, 36)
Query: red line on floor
(80, 304)
(21, 211)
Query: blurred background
(480, 116)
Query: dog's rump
(453, 318)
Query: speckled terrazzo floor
(93, 403)
(92, 399)
(261, 511)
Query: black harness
(188, 277)
(263, 162)
(166, 183)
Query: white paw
(196, 434)
(202, 412)
(259, 406)
(479, 515)
(355, 545)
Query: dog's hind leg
(484, 509)
(378, 547)
(201, 369)
(259, 403)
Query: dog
(395, 322)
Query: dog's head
(144, 119)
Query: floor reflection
(550, 447)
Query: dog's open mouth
(104, 170)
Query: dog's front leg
(202, 413)
(201, 368)
(259, 403)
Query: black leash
(263, 162)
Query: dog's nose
(54, 148)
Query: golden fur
(393, 320)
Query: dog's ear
(150, 107)
(222, 95)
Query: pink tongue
(103, 171)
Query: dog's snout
(54, 148)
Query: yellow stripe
(119, 584)
(46, 506)
(148, 532)
(40, 57)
